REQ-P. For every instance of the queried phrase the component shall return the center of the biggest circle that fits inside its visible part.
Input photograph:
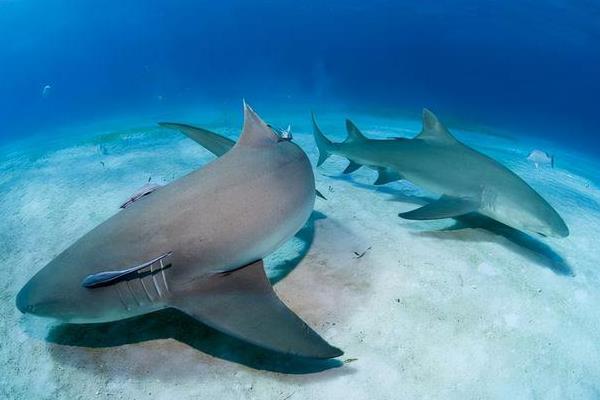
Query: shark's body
(196, 245)
(467, 180)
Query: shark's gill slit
(150, 298)
(132, 294)
(121, 298)
(162, 271)
(156, 285)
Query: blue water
(524, 67)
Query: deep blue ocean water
(525, 67)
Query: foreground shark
(467, 180)
(195, 245)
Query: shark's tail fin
(323, 144)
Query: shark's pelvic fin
(110, 277)
(354, 134)
(213, 142)
(434, 130)
(242, 303)
(255, 131)
(353, 166)
(444, 207)
(386, 175)
(323, 144)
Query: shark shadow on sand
(466, 228)
(174, 324)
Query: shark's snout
(29, 301)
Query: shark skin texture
(196, 245)
(467, 180)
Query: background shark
(467, 180)
(196, 245)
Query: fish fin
(106, 278)
(141, 192)
(211, 141)
(323, 144)
(242, 303)
(255, 131)
(319, 194)
(353, 166)
(434, 130)
(354, 134)
(444, 207)
(386, 175)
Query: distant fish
(539, 157)
(46, 91)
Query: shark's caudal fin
(323, 144)
(434, 130)
(255, 132)
(242, 303)
(213, 142)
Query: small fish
(141, 192)
(539, 157)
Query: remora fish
(467, 180)
(195, 245)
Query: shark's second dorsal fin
(434, 130)
(354, 134)
(255, 131)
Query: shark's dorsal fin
(354, 134)
(434, 130)
(242, 303)
(255, 131)
(444, 207)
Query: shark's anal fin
(353, 166)
(444, 207)
(242, 303)
(110, 277)
(386, 175)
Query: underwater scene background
(464, 308)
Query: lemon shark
(467, 180)
(195, 245)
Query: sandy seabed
(453, 309)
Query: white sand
(462, 314)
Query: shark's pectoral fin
(242, 303)
(213, 142)
(386, 175)
(444, 207)
(353, 166)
